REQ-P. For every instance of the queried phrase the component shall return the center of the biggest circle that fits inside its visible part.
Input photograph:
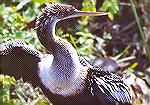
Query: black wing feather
(106, 87)
(20, 60)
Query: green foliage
(7, 82)
(17, 92)
(86, 39)
(45, 1)
(15, 23)
(111, 6)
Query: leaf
(111, 17)
(21, 4)
(132, 67)
(73, 42)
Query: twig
(140, 30)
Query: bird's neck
(64, 53)
(64, 70)
(47, 37)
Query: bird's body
(64, 77)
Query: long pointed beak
(85, 13)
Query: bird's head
(57, 12)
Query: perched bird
(64, 77)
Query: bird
(64, 77)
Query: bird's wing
(106, 87)
(19, 59)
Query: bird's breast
(60, 80)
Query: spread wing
(106, 87)
(19, 59)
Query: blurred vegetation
(116, 37)
(19, 93)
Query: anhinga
(64, 77)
